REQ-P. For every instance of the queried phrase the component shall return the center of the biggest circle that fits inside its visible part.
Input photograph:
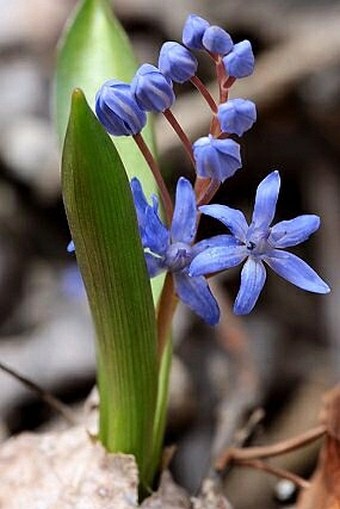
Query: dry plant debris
(324, 492)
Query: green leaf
(103, 224)
(94, 48)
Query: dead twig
(278, 472)
(244, 395)
(53, 402)
(233, 455)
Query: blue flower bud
(236, 116)
(217, 40)
(176, 62)
(193, 31)
(152, 89)
(118, 110)
(217, 159)
(240, 62)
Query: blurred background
(287, 352)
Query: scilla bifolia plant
(120, 236)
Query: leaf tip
(78, 95)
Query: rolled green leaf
(103, 224)
(93, 49)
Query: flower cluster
(121, 106)
(171, 247)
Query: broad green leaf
(102, 220)
(94, 48)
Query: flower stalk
(152, 163)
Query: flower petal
(184, 221)
(240, 62)
(217, 240)
(265, 201)
(154, 264)
(216, 158)
(117, 109)
(253, 277)
(217, 40)
(156, 236)
(177, 62)
(296, 271)
(195, 293)
(193, 31)
(70, 247)
(293, 232)
(138, 196)
(232, 218)
(217, 258)
(236, 115)
(152, 90)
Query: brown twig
(244, 394)
(278, 472)
(232, 455)
(243, 435)
(53, 402)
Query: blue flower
(193, 31)
(217, 159)
(152, 89)
(260, 243)
(173, 250)
(118, 110)
(217, 40)
(177, 62)
(236, 116)
(240, 62)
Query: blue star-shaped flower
(259, 243)
(173, 250)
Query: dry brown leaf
(324, 492)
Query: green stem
(161, 408)
(166, 309)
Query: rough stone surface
(64, 471)
(69, 470)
